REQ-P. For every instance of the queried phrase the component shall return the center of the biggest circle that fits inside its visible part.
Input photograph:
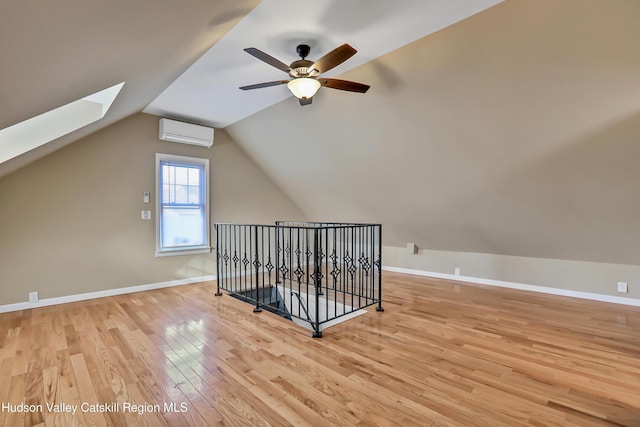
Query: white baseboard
(520, 286)
(467, 279)
(101, 294)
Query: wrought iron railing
(310, 272)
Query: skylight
(36, 131)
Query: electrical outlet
(33, 297)
(622, 287)
(456, 272)
(145, 214)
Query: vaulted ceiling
(513, 131)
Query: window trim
(187, 250)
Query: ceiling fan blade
(334, 58)
(344, 85)
(261, 85)
(268, 59)
(306, 101)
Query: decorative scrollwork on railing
(347, 259)
(284, 270)
(269, 266)
(364, 263)
(299, 272)
(335, 273)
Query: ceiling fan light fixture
(304, 83)
(303, 87)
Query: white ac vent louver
(185, 133)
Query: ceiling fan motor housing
(300, 68)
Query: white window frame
(186, 250)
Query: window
(182, 220)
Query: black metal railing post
(256, 265)
(379, 263)
(219, 275)
(317, 279)
(277, 253)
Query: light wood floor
(441, 354)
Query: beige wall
(591, 277)
(70, 222)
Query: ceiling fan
(304, 73)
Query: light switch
(145, 197)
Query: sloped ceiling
(55, 52)
(516, 131)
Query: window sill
(194, 250)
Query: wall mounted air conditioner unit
(185, 133)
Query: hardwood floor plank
(150, 418)
(13, 416)
(71, 396)
(71, 338)
(6, 369)
(120, 342)
(34, 392)
(86, 389)
(51, 392)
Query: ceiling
(207, 92)
(185, 59)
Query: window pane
(165, 194)
(194, 195)
(181, 194)
(194, 176)
(181, 175)
(182, 227)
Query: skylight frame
(32, 133)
